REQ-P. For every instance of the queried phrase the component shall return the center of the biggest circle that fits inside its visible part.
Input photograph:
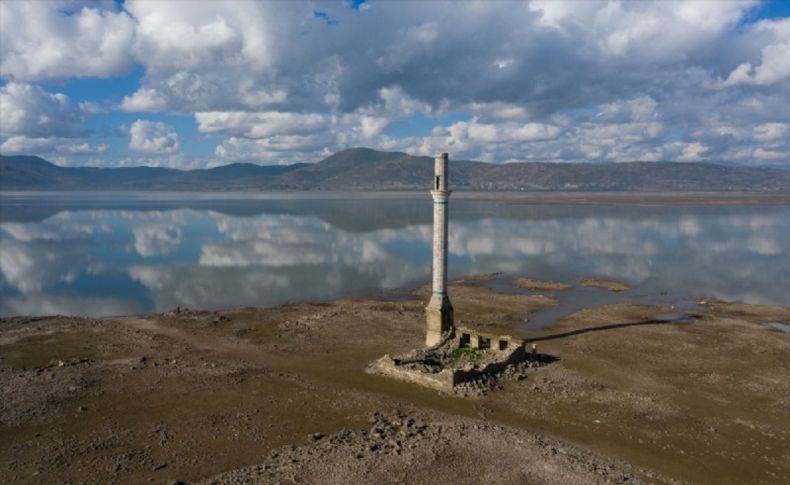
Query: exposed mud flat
(615, 286)
(237, 396)
(538, 285)
(634, 198)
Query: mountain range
(367, 169)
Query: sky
(205, 83)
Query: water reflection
(126, 253)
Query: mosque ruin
(456, 359)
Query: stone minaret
(439, 312)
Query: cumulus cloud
(28, 110)
(153, 137)
(555, 81)
(258, 125)
(62, 146)
(60, 39)
(758, 59)
(144, 99)
(774, 67)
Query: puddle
(784, 327)
(580, 297)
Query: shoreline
(520, 197)
(220, 392)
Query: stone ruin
(465, 362)
(456, 360)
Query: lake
(97, 254)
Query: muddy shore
(639, 393)
(633, 198)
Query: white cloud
(258, 124)
(398, 103)
(276, 150)
(774, 67)
(63, 146)
(555, 81)
(144, 99)
(763, 154)
(207, 55)
(371, 126)
(487, 132)
(692, 152)
(173, 36)
(658, 31)
(772, 131)
(153, 137)
(27, 110)
(60, 39)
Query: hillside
(34, 173)
(366, 169)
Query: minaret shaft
(439, 312)
(439, 243)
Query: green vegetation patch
(466, 354)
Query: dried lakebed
(280, 395)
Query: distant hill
(366, 169)
(34, 173)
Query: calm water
(123, 253)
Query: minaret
(439, 312)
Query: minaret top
(440, 173)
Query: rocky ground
(420, 447)
(280, 395)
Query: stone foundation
(438, 319)
(464, 362)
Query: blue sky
(196, 84)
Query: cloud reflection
(270, 258)
(156, 239)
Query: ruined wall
(440, 381)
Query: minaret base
(438, 319)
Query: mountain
(34, 173)
(367, 169)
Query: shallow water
(81, 253)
